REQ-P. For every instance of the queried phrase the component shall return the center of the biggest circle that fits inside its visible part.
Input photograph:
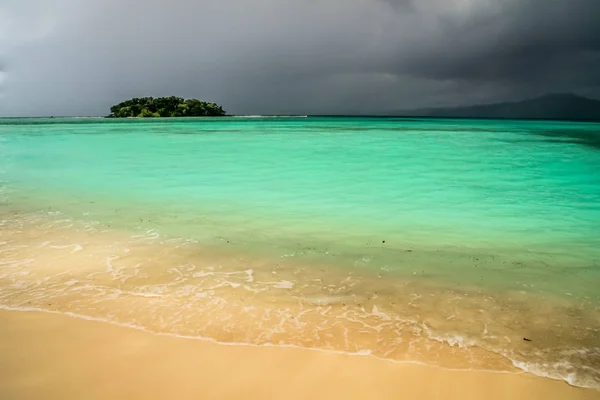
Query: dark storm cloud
(515, 41)
(308, 56)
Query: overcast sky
(78, 57)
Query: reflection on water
(590, 137)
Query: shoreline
(367, 354)
(79, 358)
(181, 290)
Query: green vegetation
(150, 107)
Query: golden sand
(50, 356)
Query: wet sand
(51, 356)
(230, 295)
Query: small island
(165, 107)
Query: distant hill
(551, 106)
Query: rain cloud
(293, 57)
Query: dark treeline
(150, 107)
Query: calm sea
(462, 243)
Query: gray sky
(76, 57)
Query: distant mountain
(551, 106)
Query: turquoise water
(496, 207)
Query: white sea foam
(327, 300)
(283, 285)
(456, 339)
(380, 314)
(202, 274)
(562, 371)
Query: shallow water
(391, 237)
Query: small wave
(76, 247)
(562, 370)
(281, 284)
(327, 300)
(202, 274)
(453, 340)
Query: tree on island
(150, 107)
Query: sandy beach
(52, 356)
(407, 254)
